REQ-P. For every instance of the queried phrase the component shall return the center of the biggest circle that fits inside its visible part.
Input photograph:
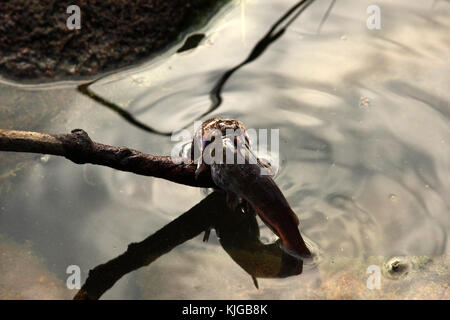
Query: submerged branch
(79, 148)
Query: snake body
(246, 181)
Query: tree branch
(79, 148)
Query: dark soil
(35, 42)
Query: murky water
(364, 157)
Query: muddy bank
(35, 42)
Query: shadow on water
(237, 230)
(275, 32)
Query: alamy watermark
(234, 146)
(74, 279)
(374, 280)
(374, 19)
(74, 20)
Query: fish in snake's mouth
(246, 178)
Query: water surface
(364, 156)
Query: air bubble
(393, 197)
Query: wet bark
(78, 147)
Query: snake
(249, 180)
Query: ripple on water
(364, 154)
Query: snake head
(216, 130)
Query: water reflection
(364, 148)
(237, 230)
(275, 32)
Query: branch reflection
(238, 233)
